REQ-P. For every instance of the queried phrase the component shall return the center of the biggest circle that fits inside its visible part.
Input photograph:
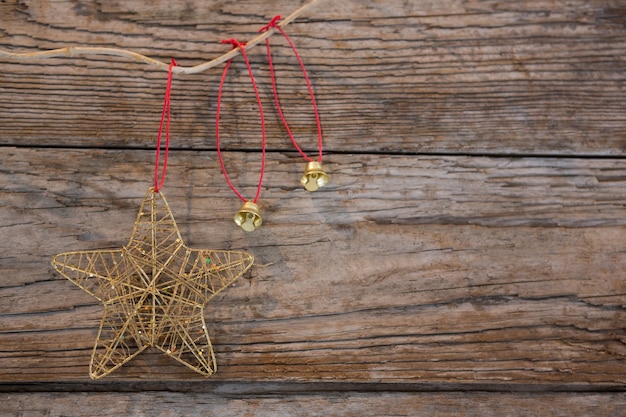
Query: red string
(274, 25)
(236, 44)
(166, 110)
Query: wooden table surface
(467, 257)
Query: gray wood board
(480, 270)
(453, 77)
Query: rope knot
(234, 42)
(271, 25)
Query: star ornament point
(153, 291)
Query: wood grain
(456, 279)
(454, 77)
(354, 404)
(467, 257)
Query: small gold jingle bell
(314, 177)
(249, 217)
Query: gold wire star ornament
(153, 291)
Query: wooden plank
(440, 270)
(335, 404)
(456, 77)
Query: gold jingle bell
(314, 177)
(249, 217)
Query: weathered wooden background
(467, 257)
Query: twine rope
(74, 51)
